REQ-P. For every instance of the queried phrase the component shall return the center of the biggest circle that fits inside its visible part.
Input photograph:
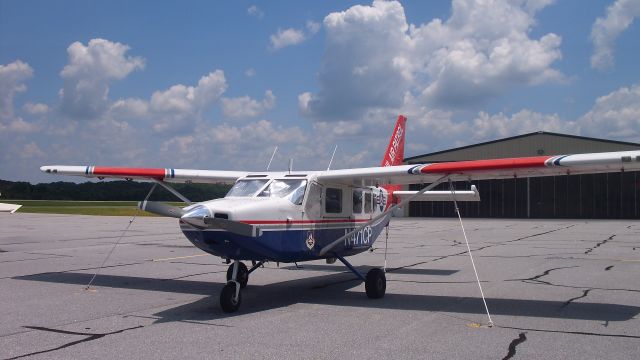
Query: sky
(219, 85)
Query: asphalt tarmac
(555, 289)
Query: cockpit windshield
(292, 190)
(246, 188)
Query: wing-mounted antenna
(290, 165)
(272, 155)
(332, 155)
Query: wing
(167, 175)
(488, 169)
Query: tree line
(107, 191)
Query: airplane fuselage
(296, 217)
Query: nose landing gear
(243, 274)
(230, 296)
(237, 279)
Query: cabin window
(368, 202)
(292, 190)
(313, 206)
(333, 201)
(246, 188)
(357, 201)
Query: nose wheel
(243, 274)
(230, 296)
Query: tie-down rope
(117, 242)
(455, 203)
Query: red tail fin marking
(395, 150)
(395, 155)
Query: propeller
(161, 209)
(200, 217)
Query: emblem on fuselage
(311, 242)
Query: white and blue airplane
(298, 216)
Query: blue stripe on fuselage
(285, 245)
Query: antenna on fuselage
(290, 165)
(332, 155)
(272, 155)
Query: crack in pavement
(572, 332)
(512, 346)
(536, 278)
(90, 337)
(584, 294)
(600, 243)
(480, 248)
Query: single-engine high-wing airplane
(300, 216)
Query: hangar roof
(531, 144)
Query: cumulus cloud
(31, 151)
(20, 126)
(373, 57)
(250, 72)
(313, 27)
(606, 29)
(88, 74)
(36, 108)
(286, 37)
(12, 81)
(486, 127)
(244, 106)
(129, 108)
(615, 115)
(291, 36)
(181, 105)
(253, 10)
(249, 145)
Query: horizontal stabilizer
(161, 209)
(465, 195)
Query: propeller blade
(161, 209)
(233, 226)
(200, 217)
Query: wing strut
(173, 191)
(327, 248)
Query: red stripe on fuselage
(155, 173)
(485, 165)
(276, 222)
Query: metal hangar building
(593, 196)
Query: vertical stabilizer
(395, 150)
(395, 154)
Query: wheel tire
(228, 301)
(243, 274)
(376, 283)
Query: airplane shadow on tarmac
(333, 289)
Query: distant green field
(110, 208)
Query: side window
(333, 201)
(357, 201)
(368, 202)
(313, 205)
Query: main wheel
(228, 300)
(376, 283)
(243, 274)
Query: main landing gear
(237, 279)
(375, 284)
